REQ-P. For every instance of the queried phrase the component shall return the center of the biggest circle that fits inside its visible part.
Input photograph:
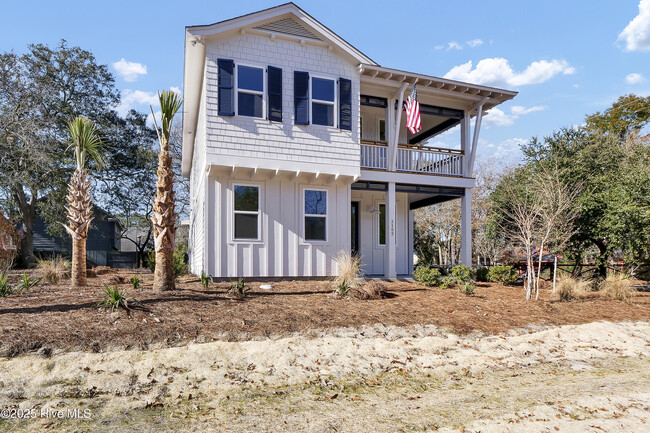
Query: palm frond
(170, 103)
(86, 142)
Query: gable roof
(286, 21)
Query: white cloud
(137, 99)
(176, 90)
(497, 71)
(475, 43)
(636, 34)
(498, 117)
(634, 78)
(439, 47)
(508, 150)
(453, 45)
(130, 71)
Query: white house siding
(373, 254)
(251, 142)
(198, 180)
(282, 251)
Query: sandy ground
(574, 378)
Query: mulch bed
(57, 317)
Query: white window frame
(251, 92)
(304, 215)
(378, 203)
(381, 119)
(232, 212)
(334, 104)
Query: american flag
(412, 107)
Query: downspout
(396, 125)
(477, 128)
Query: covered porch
(401, 172)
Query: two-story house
(296, 146)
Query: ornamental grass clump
(618, 287)
(349, 274)
(114, 298)
(54, 270)
(569, 288)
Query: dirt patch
(56, 317)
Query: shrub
(468, 287)
(180, 267)
(5, 287)
(428, 276)
(135, 282)
(370, 290)
(462, 274)
(482, 274)
(342, 289)
(618, 287)
(25, 283)
(55, 270)
(238, 289)
(569, 288)
(502, 274)
(114, 298)
(206, 279)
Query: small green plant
(135, 282)
(482, 274)
(503, 274)
(239, 288)
(206, 279)
(468, 287)
(25, 283)
(446, 282)
(114, 298)
(428, 276)
(462, 274)
(5, 287)
(342, 289)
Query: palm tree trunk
(78, 262)
(164, 220)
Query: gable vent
(288, 27)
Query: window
(250, 91)
(382, 130)
(247, 211)
(315, 215)
(322, 101)
(382, 224)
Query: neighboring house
(102, 245)
(296, 148)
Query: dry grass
(349, 275)
(618, 287)
(569, 288)
(54, 270)
(370, 290)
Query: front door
(354, 215)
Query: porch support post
(464, 143)
(477, 128)
(466, 228)
(393, 138)
(390, 264)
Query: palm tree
(86, 143)
(164, 215)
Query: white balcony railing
(413, 159)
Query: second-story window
(322, 101)
(250, 91)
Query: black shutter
(274, 85)
(226, 87)
(345, 104)
(301, 97)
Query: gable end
(288, 26)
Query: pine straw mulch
(55, 317)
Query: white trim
(231, 212)
(334, 103)
(379, 120)
(250, 92)
(377, 224)
(303, 240)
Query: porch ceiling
(418, 195)
(457, 94)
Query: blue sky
(566, 58)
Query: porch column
(390, 268)
(466, 228)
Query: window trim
(377, 218)
(304, 239)
(251, 92)
(334, 103)
(231, 212)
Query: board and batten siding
(198, 179)
(281, 250)
(252, 142)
